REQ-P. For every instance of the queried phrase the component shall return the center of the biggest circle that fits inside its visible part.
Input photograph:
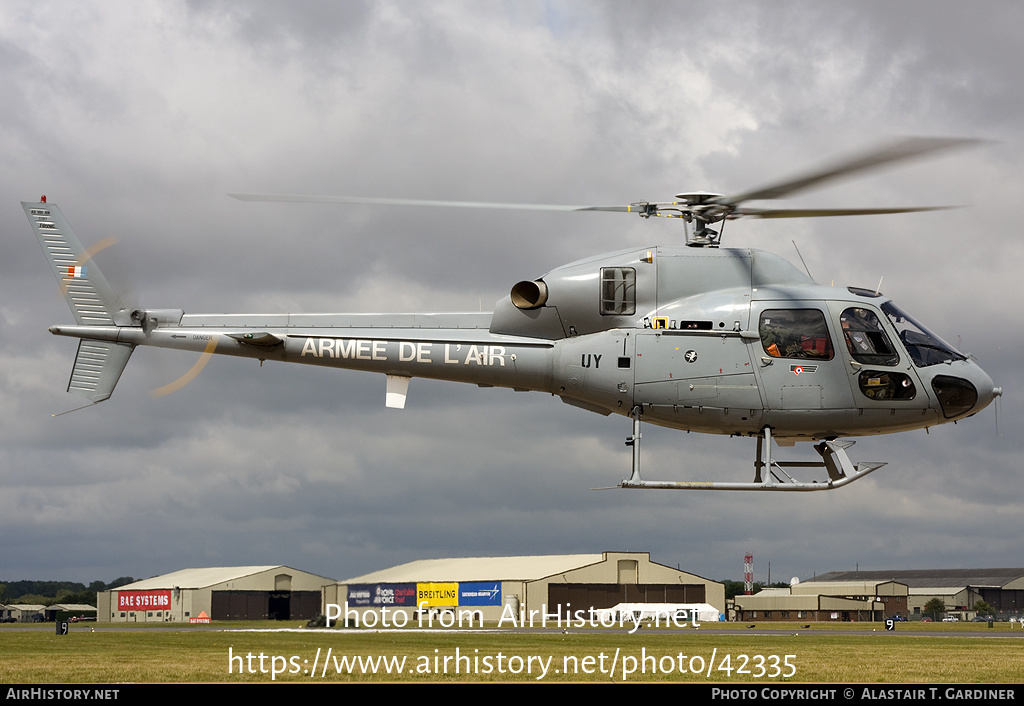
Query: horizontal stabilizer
(98, 367)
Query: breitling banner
(437, 595)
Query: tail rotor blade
(192, 373)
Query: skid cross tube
(768, 473)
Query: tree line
(50, 592)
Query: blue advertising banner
(480, 594)
(359, 595)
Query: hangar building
(959, 589)
(826, 600)
(22, 612)
(875, 595)
(506, 585)
(221, 593)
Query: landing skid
(769, 474)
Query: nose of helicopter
(964, 390)
(987, 391)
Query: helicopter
(693, 337)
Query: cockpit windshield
(924, 347)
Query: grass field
(220, 653)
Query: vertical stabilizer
(92, 300)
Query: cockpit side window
(618, 291)
(795, 333)
(866, 339)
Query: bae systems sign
(143, 600)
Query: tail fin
(93, 302)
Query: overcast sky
(137, 118)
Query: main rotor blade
(301, 198)
(823, 212)
(906, 148)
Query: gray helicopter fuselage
(724, 341)
(729, 341)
